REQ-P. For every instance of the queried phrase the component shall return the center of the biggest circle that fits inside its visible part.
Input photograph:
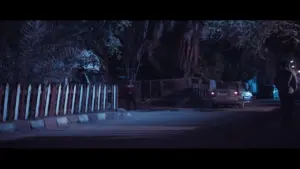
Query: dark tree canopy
(33, 50)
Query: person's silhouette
(286, 83)
(130, 95)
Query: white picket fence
(22, 102)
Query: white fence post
(66, 100)
(80, 98)
(17, 102)
(38, 101)
(47, 100)
(104, 96)
(5, 102)
(87, 98)
(115, 99)
(95, 105)
(58, 100)
(99, 97)
(93, 97)
(73, 100)
(28, 102)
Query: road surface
(255, 126)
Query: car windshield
(227, 86)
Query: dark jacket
(130, 89)
(285, 79)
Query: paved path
(169, 128)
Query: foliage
(38, 49)
(7, 49)
(249, 34)
(135, 44)
(141, 39)
(251, 38)
(52, 47)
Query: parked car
(231, 93)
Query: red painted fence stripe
(42, 102)
(1, 101)
(22, 102)
(76, 105)
(12, 103)
(83, 99)
(62, 101)
(69, 106)
(53, 100)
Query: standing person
(286, 83)
(130, 95)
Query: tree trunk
(189, 49)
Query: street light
(298, 71)
(293, 66)
(292, 61)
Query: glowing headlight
(247, 94)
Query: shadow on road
(262, 131)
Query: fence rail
(22, 102)
(164, 87)
(201, 90)
(158, 88)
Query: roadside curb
(52, 123)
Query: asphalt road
(251, 127)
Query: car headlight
(247, 94)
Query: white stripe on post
(5, 102)
(58, 100)
(115, 97)
(28, 102)
(104, 96)
(38, 101)
(47, 100)
(73, 100)
(93, 97)
(17, 102)
(66, 100)
(80, 98)
(99, 97)
(87, 98)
